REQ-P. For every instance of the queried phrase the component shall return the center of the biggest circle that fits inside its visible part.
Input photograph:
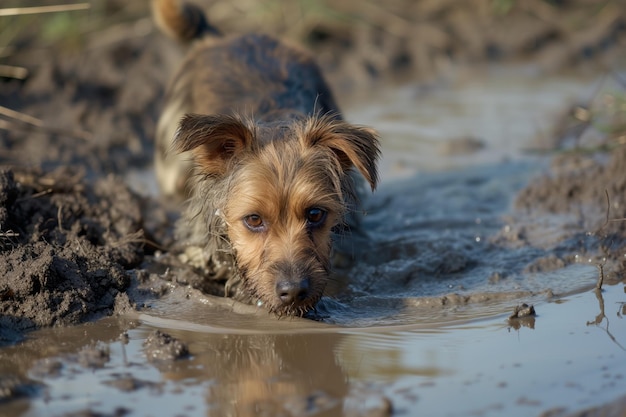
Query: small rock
(161, 347)
(523, 310)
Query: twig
(36, 195)
(38, 124)
(59, 218)
(21, 117)
(80, 246)
(136, 237)
(16, 11)
(10, 71)
(601, 317)
(600, 276)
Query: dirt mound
(576, 211)
(96, 109)
(579, 180)
(65, 247)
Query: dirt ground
(66, 247)
(73, 235)
(586, 185)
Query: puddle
(418, 327)
(570, 355)
(494, 117)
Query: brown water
(420, 326)
(454, 368)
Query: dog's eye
(315, 216)
(254, 222)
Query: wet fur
(259, 133)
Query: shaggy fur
(271, 159)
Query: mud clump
(522, 310)
(161, 348)
(128, 383)
(65, 247)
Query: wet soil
(582, 194)
(161, 347)
(78, 244)
(65, 246)
(96, 109)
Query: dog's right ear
(214, 140)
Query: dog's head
(288, 186)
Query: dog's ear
(357, 146)
(214, 140)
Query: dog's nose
(290, 291)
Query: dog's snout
(292, 291)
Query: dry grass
(62, 24)
(21, 11)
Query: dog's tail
(181, 20)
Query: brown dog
(272, 161)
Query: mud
(66, 248)
(71, 231)
(613, 409)
(161, 347)
(96, 110)
(77, 244)
(583, 196)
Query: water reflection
(333, 371)
(601, 317)
(265, 374)
(518, 323)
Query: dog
(250, 133)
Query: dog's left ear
(357, 146)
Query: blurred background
(408, 38)
(95, 71)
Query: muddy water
(418, 327)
